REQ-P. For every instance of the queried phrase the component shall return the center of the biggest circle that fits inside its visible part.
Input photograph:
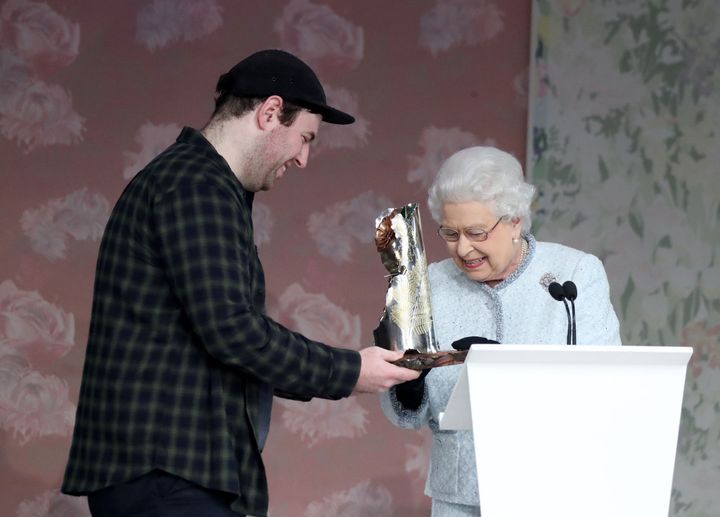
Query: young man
(182, 362)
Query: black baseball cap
(276, 72)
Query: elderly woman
(494, 285)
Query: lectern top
(587, 354)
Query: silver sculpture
(406, 323)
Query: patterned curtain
(90, 92)
(623, 145)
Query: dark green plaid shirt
(179, 347)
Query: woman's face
(487, 261)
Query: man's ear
(267, 113)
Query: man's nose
(301, 160)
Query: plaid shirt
(179, 347)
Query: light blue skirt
(445, 509)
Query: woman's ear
(517, 227)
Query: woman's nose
(464, 245)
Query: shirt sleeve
(205, 241)
(596, 321)
(400, 416)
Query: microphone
(557, 292)
(571, 294)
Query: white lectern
(571, 431)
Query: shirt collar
(195, 138)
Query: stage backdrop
(90, 91)
(623, 142)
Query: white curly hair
(484, 175)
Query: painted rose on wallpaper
(161, 23)
(81, 215)
(15, 76)
(321, 419)
(41, 115)
(437, 145)
(32, 325)
(355, 135)
(460, 22)
(36, 405)
(316, 317)
(152, 140)
(46, 238)
(38, 33)
(32, 112)
(53, 504)
(360, 500)
(319, 35)
(13, 364)
(335, 228)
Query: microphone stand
(557, 292)
(571, 294)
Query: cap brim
(328, 114)
(335, 116)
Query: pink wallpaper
(91, 91)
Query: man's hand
(376, 372)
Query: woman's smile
(475, 263)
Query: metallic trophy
(406, 323)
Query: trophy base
(422, 361)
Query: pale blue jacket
(517, 311)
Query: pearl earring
(515, 240)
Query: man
(181, 361)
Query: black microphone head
(570, 290)
(556, 291)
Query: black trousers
(159, 494)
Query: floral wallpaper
(90, 92)
(623, 143)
